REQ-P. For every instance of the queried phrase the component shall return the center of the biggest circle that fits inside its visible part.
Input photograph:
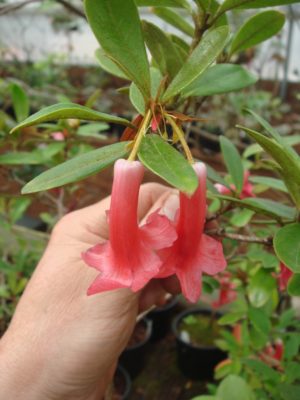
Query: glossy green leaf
(289, 162)
(174, 19)
(257, 29)
(35, 157)
(261, 287)
(230, 4)
(289, 392)
(269, 182)
(287, 246)
(108, 65)
(20, 102)
(162, 3)
(162, 49)
(263, 206)
(294, 285)
(166, 162)
(233, 162)
(202, 57)
(77, 168)
(242, 218)
(259, 319)
(214, 176)
(69, 110)
(220, 78)
(135, 95)
(211, 7)
(234, 387)
(180, 43)
(117, 27)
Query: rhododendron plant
(129, 258)
(227, 292)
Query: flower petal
(210, 255)
(102, 285)
(190, 281)
(158, 232)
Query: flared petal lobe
(193, 252)
(128, 259)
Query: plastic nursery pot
(196, 353)
(134, 356)
(161, 319)
(122, 384)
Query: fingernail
(170, 206)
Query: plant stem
(181, 137)
(241, 238)
(141, 132)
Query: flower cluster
(158, 249)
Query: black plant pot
(122, 384)
(196, 362)
(161, 319)
(134, 356)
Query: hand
(62, 344)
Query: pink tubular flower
(128, 259)
(247, 190)
(284, 276)
(193, 252)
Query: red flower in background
(129, 258)
(227, 293)
(193, 252)
(247, 190)
(284, 276)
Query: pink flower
(227, 293)
(58, 136)
(193, 252)
(129, 258)
(284, 276)
(247, 190)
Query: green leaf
(234, 388)
(233, 162)
(108, 65)
(162, 49)
(135, 95)
(69, 110)
(205, 397)
(17, 207)
(257, 29)
(230, 4)
(162, 3)
(287, 246)
(288, 161)
(214, 176)
(166, 162)
(180, 43)
(174, 19)
(117, 28)
(260, 320)
(20, 102)
(202, 57)
(262, 370)
(230, 318)
(289, 392)
(261, 287)
(77, 168)
(263, 206)
(38, 156)
(294, 285)
(241, 218)
(211, 7)
(269, 182)
(220, 78)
